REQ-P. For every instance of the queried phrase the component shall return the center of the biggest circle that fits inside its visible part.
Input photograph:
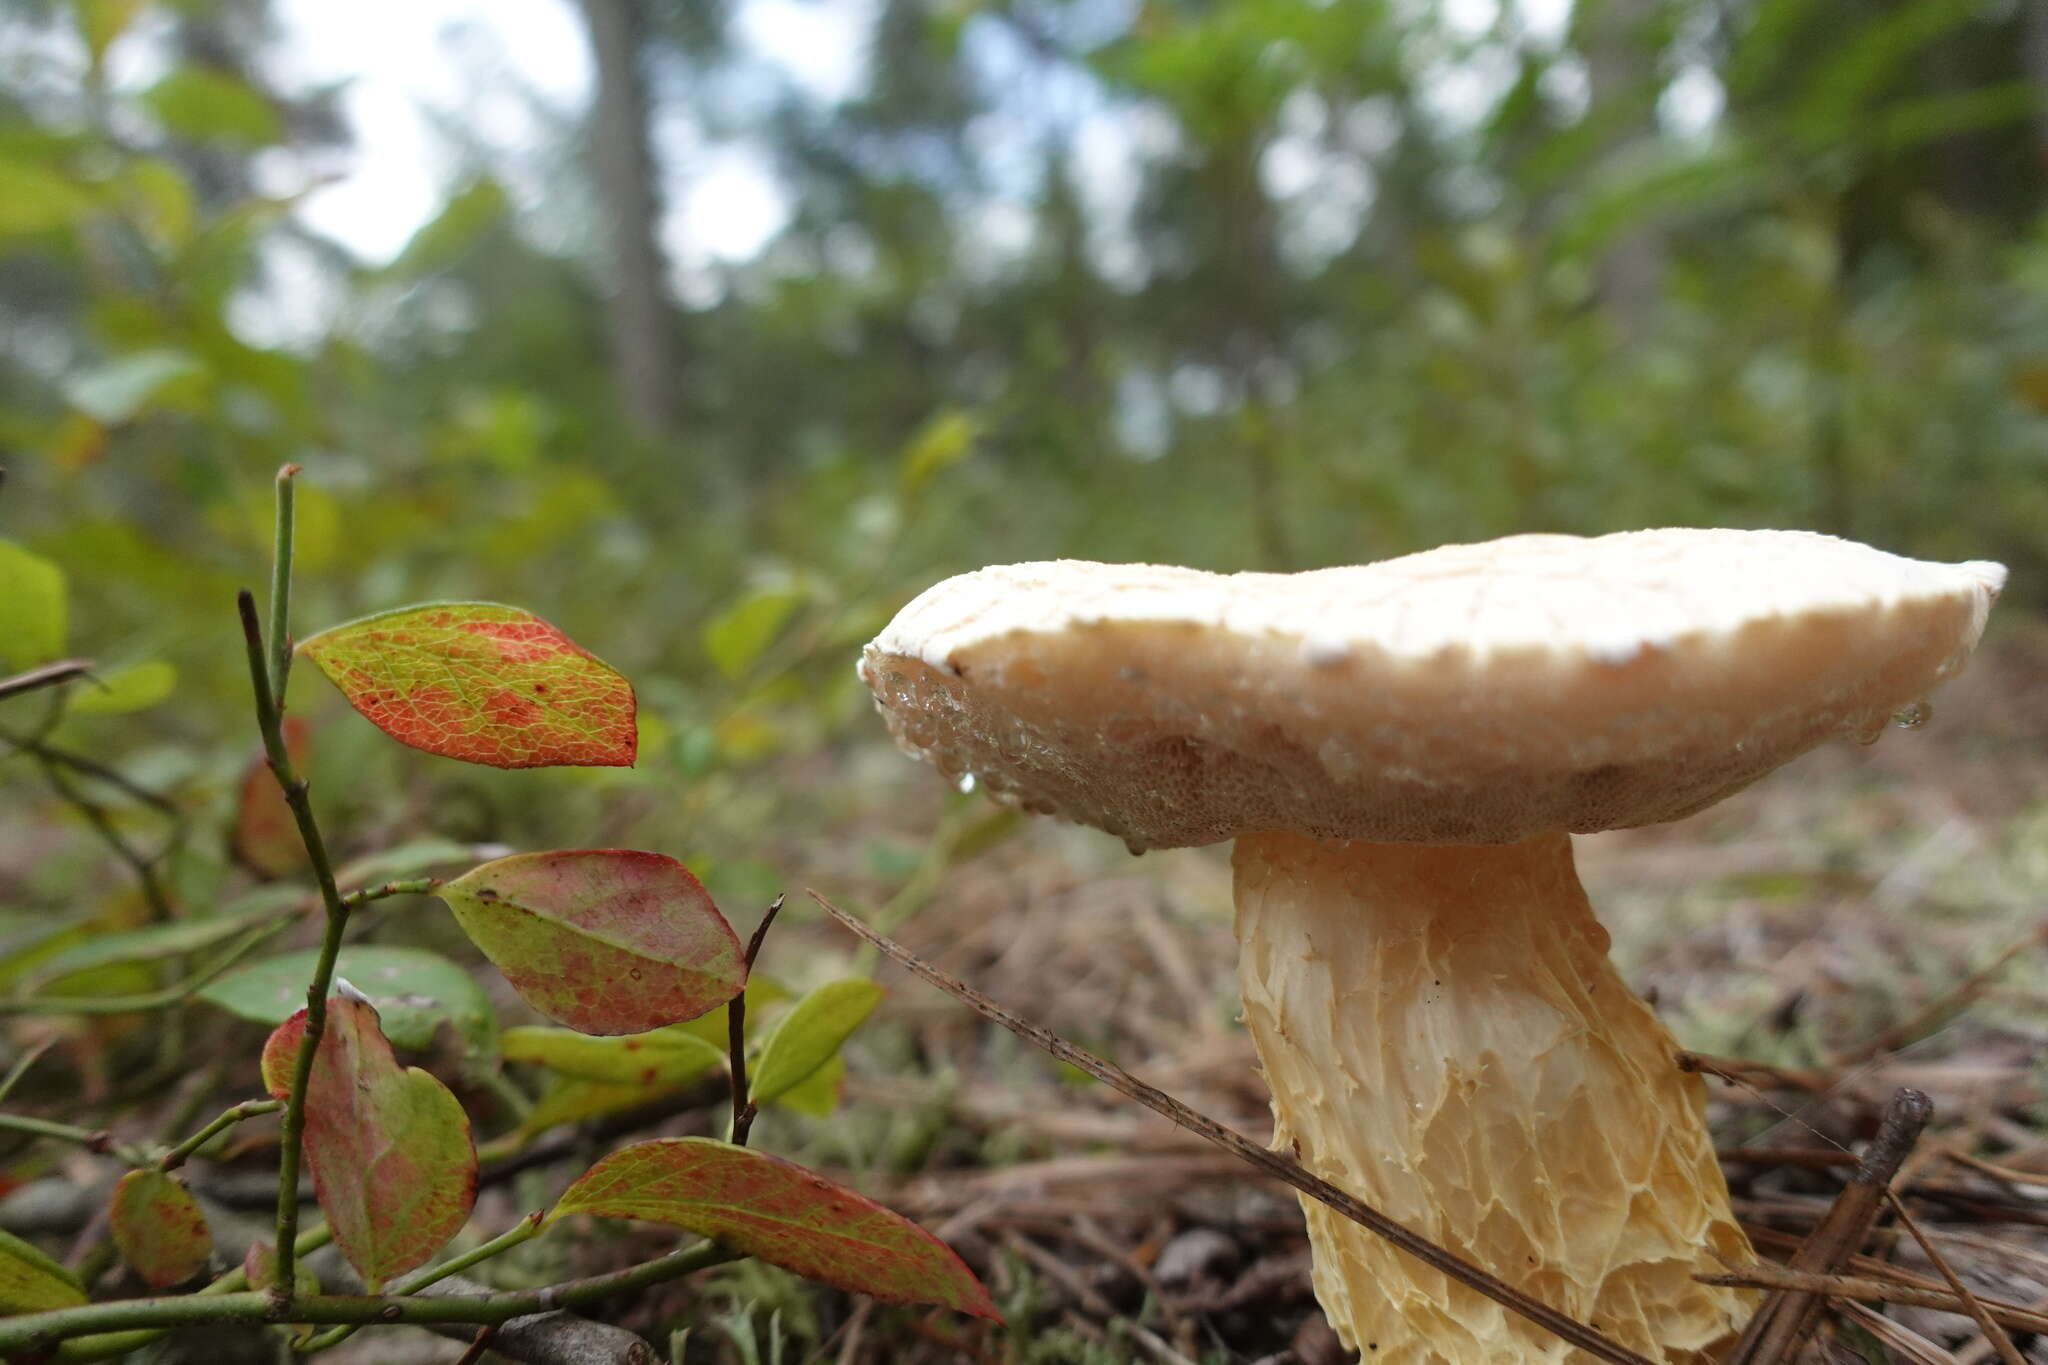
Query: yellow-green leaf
(569, 1100)
(944, 440)
(100, 22)
(665, 1057)
(817, 1094)
(206, 104)
(32, 608)
(811, 1034)
(735, 637)
(136, 687)
(31, 1282)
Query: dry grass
(1868, 919)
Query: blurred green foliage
(1350, 280)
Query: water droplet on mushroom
(1913, 714)
(1869, 732)
(965, 782)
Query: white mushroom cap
(1469, 694)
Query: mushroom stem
(1444, 1037)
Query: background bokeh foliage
(1352, 279)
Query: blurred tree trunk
(645, 355)
(1619, 41)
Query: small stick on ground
(1270, 1162)
(1993, 1333)
(1788, 1317)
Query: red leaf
(776, 1210)
(605, 940)
(389, 1146)
(159, 1228)
(482, 683)
(266, 838)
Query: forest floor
(1869, 918)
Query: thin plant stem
(93, 768)
(31, 1334)
(281, 591)
(92, 1139)
(108, 1345)
(247, 1109)
(141, 864)
(525, 1230)
(410, 886)
(744, 1109)
(21, 1066)
(295, 795)
(49, 675)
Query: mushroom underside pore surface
(1445, 1037)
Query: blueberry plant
(623, 949)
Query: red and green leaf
(483, 683)
(266, 837)
(393, 1164)
(604, 940)
(158, 1227)
(776, 1210)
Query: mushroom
(1402, 751)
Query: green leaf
(121, 390)
(735, 637)
(811, 1035)
(206, 104)
(35, 199)
(134, 688)
(605, 940)
(943, 441)
(470, 212)
(413, 989)
(409, 860)
(28, 940)
(776, 1210)
(31, 1282)
(393, 1164)
(663, 1057)
(152, 944)
(482, 683)
(100, 22)
(32, 608)
(260, 1265)
(158, 1227)
(817, 1094)
(569, 1100)
(715, 1029)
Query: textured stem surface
(1445, 1037)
